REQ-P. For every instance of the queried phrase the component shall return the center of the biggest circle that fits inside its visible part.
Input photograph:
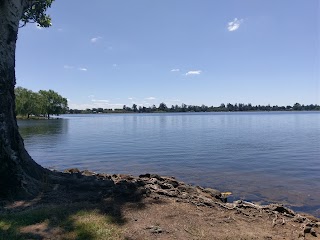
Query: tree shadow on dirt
(81, 207)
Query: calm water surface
(261, 157)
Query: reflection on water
(37, 128)
(264, 157)
(42, 138)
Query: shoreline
(154, 206)
(162, 112)
(169, 186)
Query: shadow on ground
(88, 207)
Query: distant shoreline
(53, 117)
(119, 112)
(237, 107)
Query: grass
(65, 222)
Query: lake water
(260, 156)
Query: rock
(281, 209)
(103, 176)
(152, 181)
(167, 193)
(213, 192)
(126, 176)
(307, 229)
(72, 170)
(147, 175)
(312, 224)
(155, 229)
(199, 187)
(141, 183)
(183, 195)
(165, 185)
(172, 182)
(88, 173)
(189, 189)
(157, 177)
(153, 187)
(313, 232)
(182, 188)
(299, 219)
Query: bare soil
(156, 207)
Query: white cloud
(83, 69)
(175, 70)
(95, 39)
(234, 25)
(91, 96)
(194, 72)
(95, 105)
(100, 101)
(130, 98)
(115, 105)
(174, 100)
(150, 98)
(68, 67)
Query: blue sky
(110, 53)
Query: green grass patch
(79, 221)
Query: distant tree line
(237, 107)
(41, 104)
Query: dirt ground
(147, 207)
(169, 219)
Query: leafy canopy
(35, 12)
(41, 103)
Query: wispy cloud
(100, 101)
(194, 72)
(72, 67)
(68, 67)
(175, 70)
(130, 98)
(234, 25)
(150, 98)
(174, 100)
(95, 39)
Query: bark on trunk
(19, 174)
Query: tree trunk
(19, 174)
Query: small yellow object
(226, 194)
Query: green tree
(18, 172)
(297, 107)
(162, 107)
(52, 103)
(27, 102)
(134, 107)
